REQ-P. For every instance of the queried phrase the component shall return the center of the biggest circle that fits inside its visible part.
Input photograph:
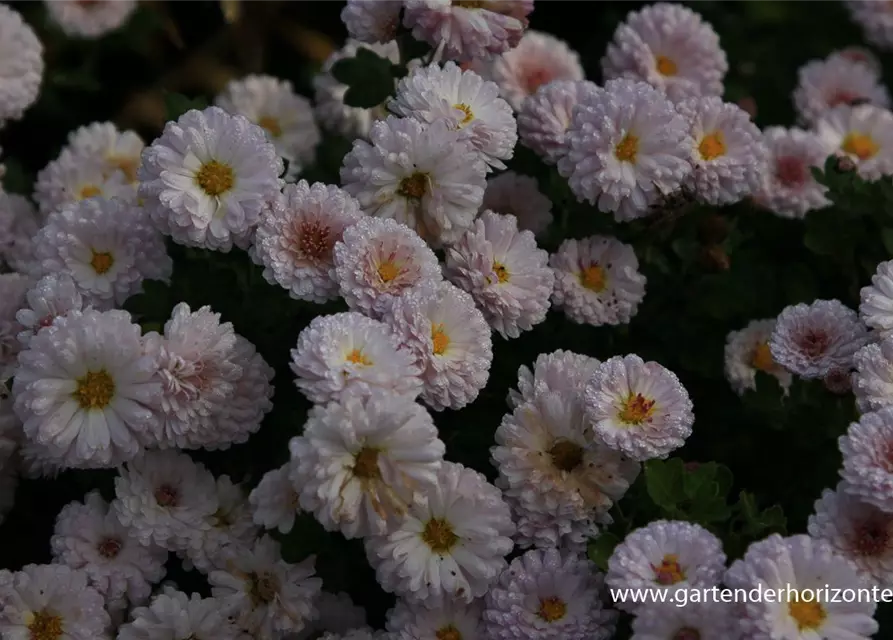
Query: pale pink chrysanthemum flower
(670, 47)
(825, 84)
(518, 195)
(811, 340)
(876, 20)
(296, 235)
(350, 352)
(862, 133)
(372, 21)
(876, 306)
(597, 280)
(426, 176)
(857, 530)
(121, 150)
(788, 187)
(729, 156)
(19, 223)
(627, 148)
(468, 30)
(379, 259)
(861, 55)
(563, 371)
(14, 288)
(872, 380)
(449, 339)
(504, 271)
(50, 297)
(251, 400)
(538, 59)
(467, 102)
(274, 501)
(546, 115)
(867, 450)
(22, 67)
(90, 19)
(747, 352)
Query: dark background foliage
(764, 458)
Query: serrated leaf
(601, 548)
(664, 482)
(368, 77)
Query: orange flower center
(665, 66)
(712, 146)
(668, 571)
(552, 609)
(860, 145)
(440, 339)
(593, 278)
(637, 409)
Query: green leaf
(664, 480)
(369, 79)
(601, 548)
(887, 239)
(176, 104)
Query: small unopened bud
(845, 164)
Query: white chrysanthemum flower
(747, 351)
(811, 340)
(798, 567)
(273, 105)
(696, 620)
(857, 530)
(19, 223)
(876, 308)
(22, 67)
(89, 19)
(864, 134)
(379, 259)
(468, 31)
(251, 399)
(268, 596)
(597, 281)
(789, 189)
(545, 117)
(559, 482)
(337, 615)
(295, 238)
(837, 80)
(639, 408)
(464, 100)
(538, 59)
(89, 537)
(85, 390)
(451, 543)
(670, 47)
(206, 179)
(872, 380)
(350, 352)
(664, 556)
(449, 340)
(627, 148)
(166, 498)
(106, 246)
(121, 150)
(425, 176)
(867, 450)
(274, 501)
(173, 614)
(445, 619)
(51, 297)
(51, 601)
(861, 55)
(562, 371)
(330, 109)
(360, 462)
(729, 156)
(74, 177)
(13, 289)
(876, 20)
(514, 194)
(548, 595)
(372, 21)
(504, 271)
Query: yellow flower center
(215, 178)
(271, 125)
(440, 339)
(89, 191)
(387, 271)
(102, 261)
(665, 66)
(808, 615)
(127, 165)
(366, 464)
(566, 455)
(762, 358)
(668, 571)
(636, 409)
(860, 145)
(628, 148)
(45, 626)
(712, 146)
(469, 115)
(414, 186)
(439, 536)
(357, 357)
(593, 278)
(448, 632)
(501, 272)
(552, 609)
(95, 390)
